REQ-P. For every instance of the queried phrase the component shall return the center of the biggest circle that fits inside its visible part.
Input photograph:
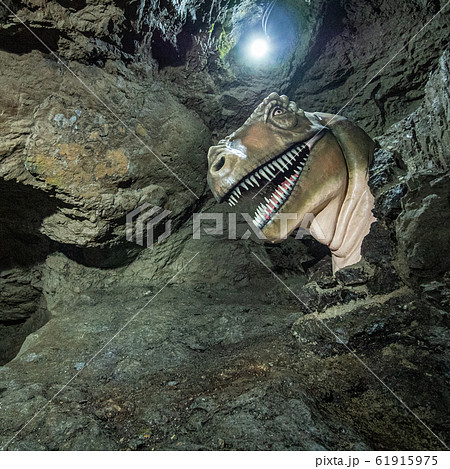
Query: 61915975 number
(406, 460)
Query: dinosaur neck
(344, 233)
(350, 231)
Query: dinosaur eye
(278, 111)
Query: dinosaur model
(299, 164)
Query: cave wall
(148, 86)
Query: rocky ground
(195, 344)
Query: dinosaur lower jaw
(274, 181)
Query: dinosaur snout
(223, 164)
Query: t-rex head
(301, 165)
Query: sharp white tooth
(280, 193)
(254, 180)
(278, 165)
(238, 190)
(235, 195)
(267, 200)
(232, 198)
(285, 190)
(261, 171)
(286, 158)
(282, 163)
(270, 173)
(272, 167)
(258, 175)
(277, 197)
(229, 203)
(247, 181)
(244, 185)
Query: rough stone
(194, 344)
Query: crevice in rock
(333, 16)
(23, 251)
(173, 53)
(19, 40)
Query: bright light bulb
(259, 48)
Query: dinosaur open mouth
(276, 178)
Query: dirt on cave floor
(211, 368)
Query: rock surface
(193, 343)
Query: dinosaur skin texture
(303, 169)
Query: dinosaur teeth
(260, 211)
(277, 165)
(270, 173)
(261, 171)
(289, 166)
(283, 164)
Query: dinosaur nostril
(219, 164)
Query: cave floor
(206, 368)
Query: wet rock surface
(194, 344)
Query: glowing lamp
(259, 48)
